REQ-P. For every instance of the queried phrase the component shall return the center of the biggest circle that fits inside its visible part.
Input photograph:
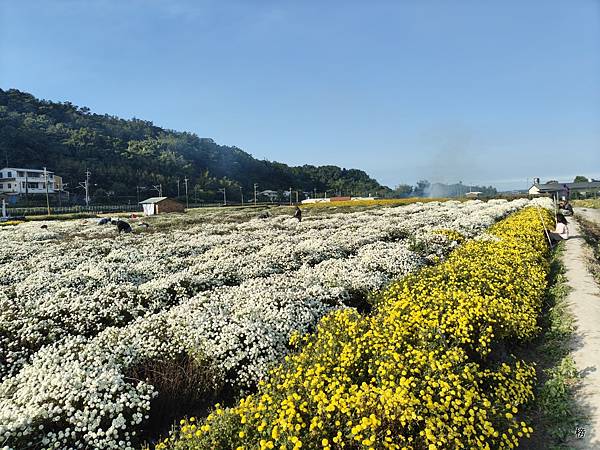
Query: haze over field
(481, 93)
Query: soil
(592, 214)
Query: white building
(15, 181)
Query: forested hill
(123, 154)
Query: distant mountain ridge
(124, 154)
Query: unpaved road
(584, 303)
(592, 214)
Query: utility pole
(177, 187)
(242, 195)
(315, 191)
(224, 196)
(187, 202)
(290, 196)
(158, 188)
(86, 185)
(296, 197)
(47, 196)
(63, 188)
(255, 187)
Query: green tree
(403, 190)
(580, 179)
(421, 188)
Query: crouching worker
(123, 226)
(298, 214)
(565, 208)
(561, 233)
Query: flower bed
(419, 374)
(76, 280)
(83, 390)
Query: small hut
(159, 205)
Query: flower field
(414, 375)
(88, 318)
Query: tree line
(424, 188)
(127, 158)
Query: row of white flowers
(79, 285)
(75, 392)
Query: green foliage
(556, 399)
(123, 154)
(580, 179)
(403, 190)
(420, 189)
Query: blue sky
(491, 92)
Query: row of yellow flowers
(420, 373)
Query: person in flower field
(561, 233)
(122, 226)
(298, 214)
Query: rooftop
(152, 200)
(25, 170)
(551, 187)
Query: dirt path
(584, 302)
(592, 214)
